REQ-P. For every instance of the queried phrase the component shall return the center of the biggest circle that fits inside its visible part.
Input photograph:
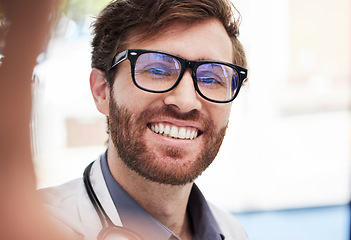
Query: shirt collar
(204, 223)
(134, 217)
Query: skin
(204, 40)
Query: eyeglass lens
(159, 72)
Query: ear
(100, 90)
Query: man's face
(135, 115)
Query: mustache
(169, 111)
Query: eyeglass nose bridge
(187, 64)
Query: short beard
(127, 134)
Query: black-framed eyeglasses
(160, 72)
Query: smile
(169, 130)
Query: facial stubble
(127, 134)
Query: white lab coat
(71, 207)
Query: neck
(166, 203)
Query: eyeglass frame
(133, 54)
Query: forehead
(204, 40)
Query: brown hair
(145, 18)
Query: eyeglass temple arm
(243, 73)
(119, 58)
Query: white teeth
(181, 133)
(174, 131)
(167, 130)
(192, 134)
(188, 133)
(161, 127)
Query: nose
(184, 96)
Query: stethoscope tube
(108, 227)
(105, 220)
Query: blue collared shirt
(134, 217)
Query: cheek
(125, 92)
(136, 100)
(122, 88)
(220, 115)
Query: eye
(209, 79)
(157, 71)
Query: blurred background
(285, 166)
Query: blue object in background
(319, 223)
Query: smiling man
(165, 73)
